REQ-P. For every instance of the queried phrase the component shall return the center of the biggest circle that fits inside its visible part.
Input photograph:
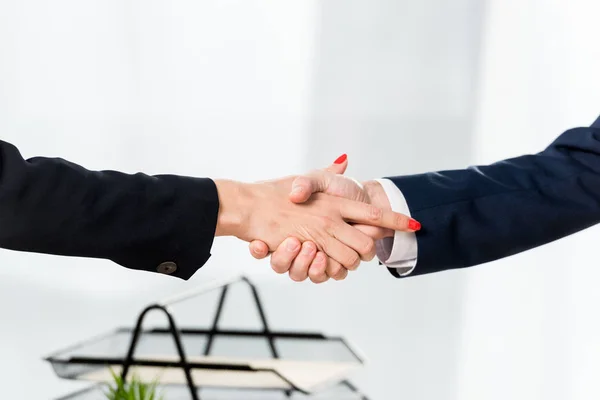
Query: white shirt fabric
(399, 252)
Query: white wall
(214, 88)
(530, 328)
(256, 89)
(394, 88)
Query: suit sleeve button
(167, 268)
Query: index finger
(368, 214)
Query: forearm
(481, 214)
(139, 221)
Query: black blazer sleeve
(52, 206)
(484, 213)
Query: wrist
(234, 200)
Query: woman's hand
(264, 211)
(302, 260)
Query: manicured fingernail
(341, 159)
(297, 190)
(414, 225)
(291, 245)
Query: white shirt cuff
(399, 252)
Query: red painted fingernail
(341, 159)
(414, 225)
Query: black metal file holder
(183, 363)
(186, 365)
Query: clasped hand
(319, 226)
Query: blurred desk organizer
(210, 364)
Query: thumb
(304, 186)
(339, 165)
(258, 249)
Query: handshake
(316, 226)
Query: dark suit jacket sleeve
(484, 213)
(138, 221)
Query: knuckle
(319, 279)
(368, 257)
(353, 267)
(323, 242)
(297, 278)
(334, 270)
(374, 213)
(368, 248)
(324, 247)
(318, 265)
(341, 275)
(351, 261)
(319, 276)
(308, 248)
(326, 222)
(278, 269)
(303, 181)
(279, 266)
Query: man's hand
(263, 211)
(301, 260)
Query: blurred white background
(257, 89)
